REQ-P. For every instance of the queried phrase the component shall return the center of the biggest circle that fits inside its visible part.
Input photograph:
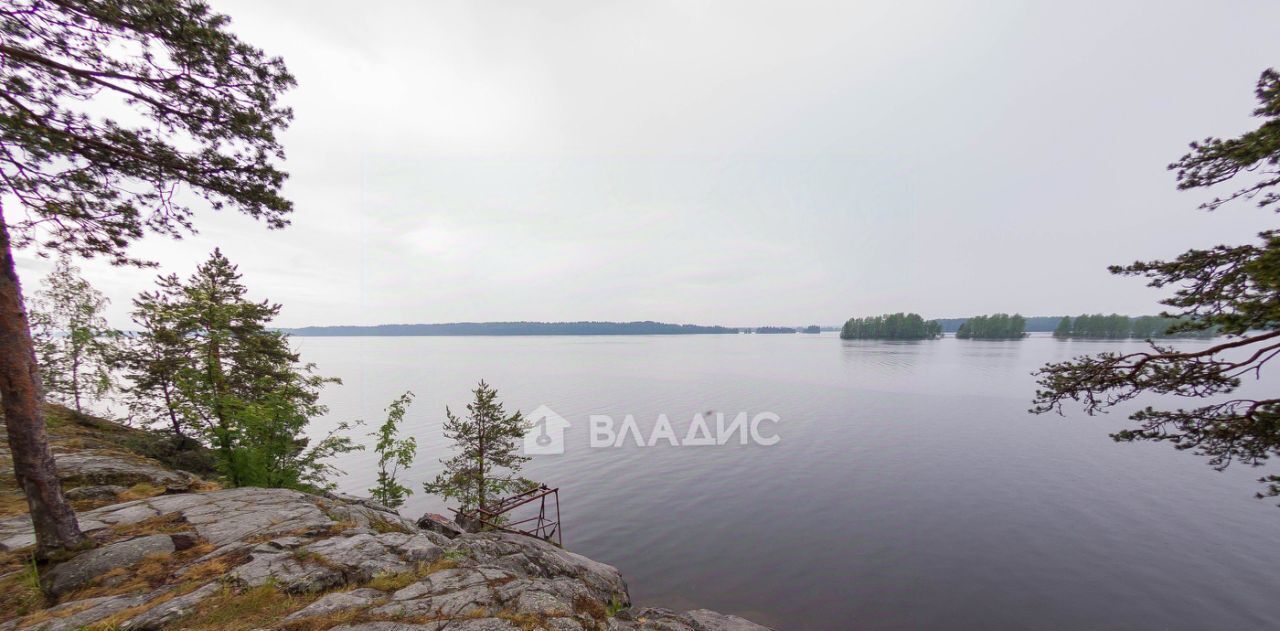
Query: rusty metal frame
(539, 526)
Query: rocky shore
(252, 558)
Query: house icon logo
(546, 433)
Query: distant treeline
(1000, 326)
(813, 328)
(513, 328)
(1115, 327)
(894, 326)
(897, 326)
(1034, 324)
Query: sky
(738, 163)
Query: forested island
(893, 326)
(766, 330)
(1119, 327)
(1096, 326)
(514, 328)
(999, 326)
(1034, 324)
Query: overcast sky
(737, 163)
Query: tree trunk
(214, 374)
(54, 521)
(75, 377)
(173, 416)
(480, 463)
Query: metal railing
(539, 525)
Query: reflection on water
(910, 489)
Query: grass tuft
(325, 621)
(213, 568)
(526, 621)
(240, 610)
(20, 592)
(139, 491)
(149, 573)
(383, 526)
(160, 525)
(590, 607)
(400, 580)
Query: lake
(909, 488)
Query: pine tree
(232, 379)
(487, 460)
(1227, 289)
(156, 352)
(394, 454)
(241, 385)
(202, 115)
(235, 359)
(76, 348)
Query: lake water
(909, 488)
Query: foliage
(487, 460)
(895, 326)
(1147, 327)
(774, 329)
(107, 109)
(209, 360)
(76, 347)
(156, 352)
(270, 447)
(20, 592)
(1234, 289)
(394, 454)
(174, 451)
(1114, 326)
(1035, 324)
(1000, 326)
(232, 360)
(92, 184)
(1063, 330)
(1118, 327)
